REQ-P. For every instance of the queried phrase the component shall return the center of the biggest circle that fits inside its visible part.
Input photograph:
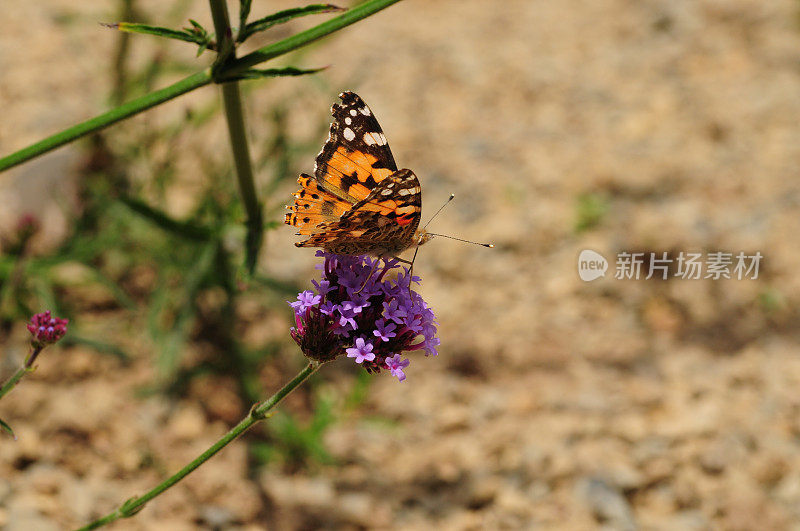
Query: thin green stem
(222, 27)
(12, 382)
(237, 134)
(192, 82)
(257, 414)
(244, 172)
(241, 153)
(21, 372)
(126, 110)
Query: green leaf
(197, 25)
(7, 428)
(260, 73)
(244, 12)
(145, 29)
(246, 30)
(117, 292)
(197, 34)
(184, 229)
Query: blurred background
(653, 126)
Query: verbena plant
(354, 310)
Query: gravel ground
(555, 403)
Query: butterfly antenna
(416, 249)
(440, 209)
(490, 245)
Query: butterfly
(357, 202)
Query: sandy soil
(555, 403)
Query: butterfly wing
(356, 156)
(383, 223)
(357, 202)
(314, 206)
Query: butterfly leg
(410, 269)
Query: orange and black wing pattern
(357, 202)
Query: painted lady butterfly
(357, 202)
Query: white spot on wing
(409, 191)
(374, 139)
(388, 191)
(348, 120)
(349, 134)
(365, 110)
(353, 112)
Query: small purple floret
(394, 310)
(384, 330)
(362, 351)
(323, 286)
(396, 366)
(306, 299)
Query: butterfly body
(357, 202)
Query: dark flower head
(46, 329)
(27, 226)
(356, 310)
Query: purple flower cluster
(46, 329)
(355, 310)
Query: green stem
(257, 414)
(241, 153)
(126, 110)
(222, 27)
(244, 172)
(237, 134)
(193, 82)
(21, 372)
(12, 382)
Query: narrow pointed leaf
(146, 29)
(282, 17)
(185, 229)
(7, 428)
(197, 25)
(244, 12)
(259, 73)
